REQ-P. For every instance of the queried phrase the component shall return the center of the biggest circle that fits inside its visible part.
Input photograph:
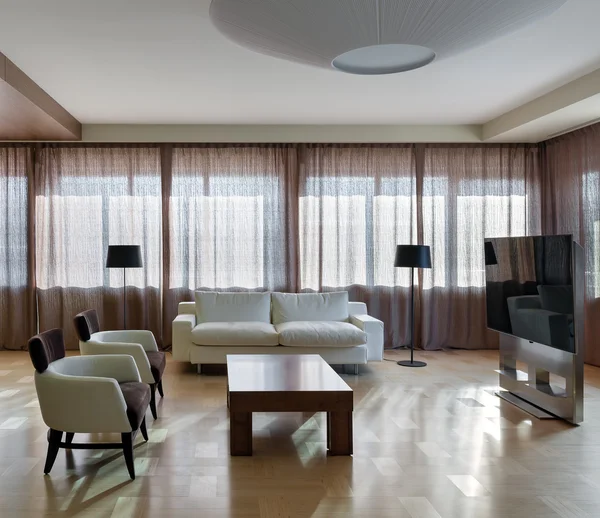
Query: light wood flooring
(429, 443)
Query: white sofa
(218, 324)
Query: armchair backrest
(46, 348)
(86, 324)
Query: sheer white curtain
(17, 298)
(356, 203)
(231, 212)
(475, 192)
(86, 199)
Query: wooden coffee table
(287, 383)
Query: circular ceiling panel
(371, 36)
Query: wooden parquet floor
(429, 443)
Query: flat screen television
(529, 288)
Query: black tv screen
(529, 288)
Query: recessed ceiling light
(384, 59)
(371, 36)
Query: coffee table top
(282, 373)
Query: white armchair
(140, 344)
(87, 394)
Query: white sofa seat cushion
(232, 307)
(235, 333)
(314, 307)
(325, 334)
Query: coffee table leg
(240, 433)
(339, 433)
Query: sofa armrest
(95, 347)
(182, 336)
(132, 336)
(357, 308)
(186, 308)
(374, 330)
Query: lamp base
(408, 363)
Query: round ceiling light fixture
(371, 36)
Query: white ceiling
(158, 62)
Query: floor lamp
(412, 256)
(124, 256)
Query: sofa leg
(160, 388)
(153, 401)
(54, 438)
(199, 368)
(69, 437)
(144, 430)
(356, 369)
(127, 440)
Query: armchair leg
(153, 400)
(160, 389)
(54, 438)
(69, 437)
(127, 440)
(144, 430)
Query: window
(13, 230)
(228, 219)
(98, 197)
(480, 216)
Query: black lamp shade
(124, 256)
(490, 254)
(412, 256)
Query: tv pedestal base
(524, 405)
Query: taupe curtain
(87, 198)
(231, 221)
(282, 217)
(17, 297)
(572, 206)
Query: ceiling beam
(556, 111)
(27, 112)
(292, 133)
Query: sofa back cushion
(310, 307)
(232, 307)
(558, 299)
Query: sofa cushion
(235, 333)
(326, 334)
(233, 307)
(137, 398)
(308, 307)
(158, 361)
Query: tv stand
(551, 384)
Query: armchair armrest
(85, 403)
(182, 336)
(118, 367)
(374, 330)
(134, 350)
(138, 336)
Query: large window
(227, 219)
(13, 221)
(355, 205)
(92, 198)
